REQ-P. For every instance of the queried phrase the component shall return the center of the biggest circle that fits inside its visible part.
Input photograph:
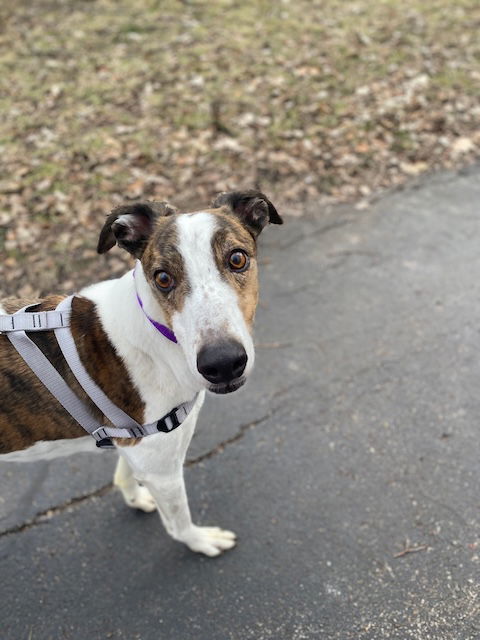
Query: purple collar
(165, 331)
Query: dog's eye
(164, 281)
(238, 261)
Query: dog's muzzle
(222, 364)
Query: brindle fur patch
(28, 412)
(231, 234)
(161, 254)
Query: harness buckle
(105, 443)
(162, 424)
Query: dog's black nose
(222, 362)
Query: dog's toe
(210, 540)
(140, 498)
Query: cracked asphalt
(348, 466)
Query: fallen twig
(421, 547)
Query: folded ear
(252, 207)
(130, 226)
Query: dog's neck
(140, 370)
(156, 365)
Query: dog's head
(199, 275)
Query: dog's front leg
(171, 499)
(134, 494)
(157, 464)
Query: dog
(180, 326)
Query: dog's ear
(252, 207)
(130, 226)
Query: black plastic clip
(162, 423)
(105, 443)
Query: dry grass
(104, 100)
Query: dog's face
(201, 271)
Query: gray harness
(58, 321)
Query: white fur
(150, 474)
(49, 450)
(156, 365)
(211, 310)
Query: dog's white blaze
(211, 310)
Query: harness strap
(35, 321)
(59, 321)
(49, 376)
(168, 423)
(67, 345)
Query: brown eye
(164, 281)
(238, 261)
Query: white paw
(139, 497)
(209, 540)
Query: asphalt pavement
(348, 466)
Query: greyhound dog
(147, 343)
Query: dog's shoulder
(11, 304)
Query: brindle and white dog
(197, 274)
